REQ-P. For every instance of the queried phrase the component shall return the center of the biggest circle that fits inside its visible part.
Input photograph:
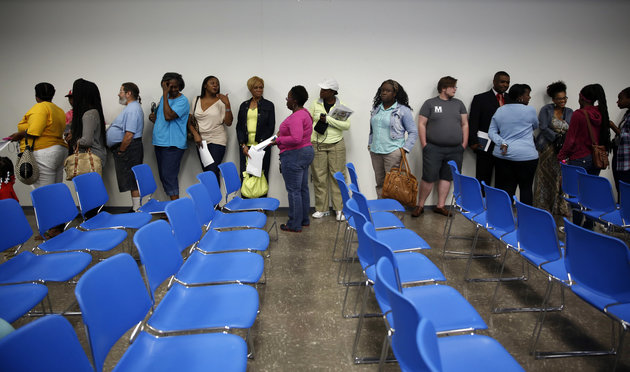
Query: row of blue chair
(443, 306)
(207, 291)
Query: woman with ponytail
(577, 148)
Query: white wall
(289, 42)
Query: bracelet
(228, 110)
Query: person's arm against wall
(169, 114)
(473, 123)
(464, 130)
(180, 108)
(493, 132)
(411, 128)
(127, 138)
(227, 118)
(422, 130)
(269, 126)
(241, 124)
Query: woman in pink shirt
(296, 155)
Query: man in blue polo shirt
(124, 138)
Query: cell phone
(153, 107)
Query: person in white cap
(330, 150)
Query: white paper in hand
(254, 163)
(204, 154)
(261, 146)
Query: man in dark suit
(482, 108)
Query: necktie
(500, 99)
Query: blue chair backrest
(498, 209)
(382, 250)
(53, 206)
(384, 274)
(45, 344)
(624, 202)
(428, 345)
(230, 178)
(14, 229)
(595, 192)
(352, 171)
(472, 200)
(569, 178)
(343, 188)
(362, 203)
(113, 298)
(457, 189)
(91, 191)
(144, 179)
(406, 320)
(364, 251)
(159, 252)
(204, 209)
(536, 231)
(209, 180)
(184, 222)
(598, 262)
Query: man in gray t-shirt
(443, 133)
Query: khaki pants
(383, 163)
(330, 158)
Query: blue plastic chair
(92, 194)
(54, 206)
(228, 240)
(499, 222)
(538, 245)
(199, 268)
(472, 208)
(384, 220)
(428, 353)
(146, 188)
(375, 205)
(620, 217)
(570, 183)
(18, 299)
(27, 267)
(444, 306)
(220, 220)
(595, 196)
(113, 298)
(455, 204)
(46, 344)
(232, 183)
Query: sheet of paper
(254, 163)
(4, 144)
(484, 140)
(204, 154)
(341, 112)
(261, 146)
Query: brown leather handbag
(600, 155)
(400, 184)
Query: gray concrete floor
(300, 326)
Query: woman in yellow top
(43, 125)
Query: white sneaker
(340, 216)
(319, 214)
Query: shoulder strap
(195, 107)
(590, 129)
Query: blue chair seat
(76, 240)
(598, 300)
(385, 205)
(240, 204)
(613, 217)
(238, 220)
(186, 308)
(17, 299)
(105, 220)
(198, 352)
(223, 241)
(474, 353)
(154, 206)
(620, 311)
(402, 239)
(413, 267)
(510, 239)
(384, 220)
(200, 268)
(557, 270)
(28, 267)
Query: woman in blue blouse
(169, 131)
(511, 130)
(391, 118)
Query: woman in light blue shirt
(512, 131)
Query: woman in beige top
(213, 113)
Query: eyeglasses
(561, 98)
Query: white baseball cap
(329, 84)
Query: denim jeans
(168, 161)
(294, 168)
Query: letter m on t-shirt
(437, 109)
